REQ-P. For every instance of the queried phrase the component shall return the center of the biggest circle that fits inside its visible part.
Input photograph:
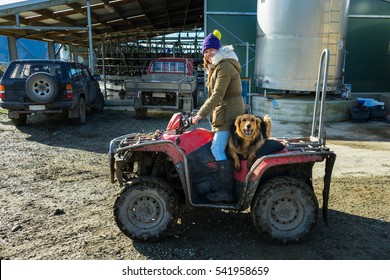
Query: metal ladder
(317, 133)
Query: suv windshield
(24, 70)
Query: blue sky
(26, 49)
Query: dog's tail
(267, 121)
(265, 126)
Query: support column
(12, 50)
(91, 57)
(50, 46)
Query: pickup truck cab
(172, 65)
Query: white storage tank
(291, 35)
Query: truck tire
(195, 100)
(42, 87)
(146, 209)
(140, 113)
(284, 210)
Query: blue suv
(49, 87)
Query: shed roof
(65, 21)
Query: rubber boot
(222, 190)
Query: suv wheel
(99, 106)
(284, 210)
(42, 87)
(20, 121)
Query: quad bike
(162, 170)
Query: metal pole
(91, 63)
(204, 36)
(318, 114)
(247, 59)
(104, 69)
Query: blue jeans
(219, 144)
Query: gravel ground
(57, 201)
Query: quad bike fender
(264, 163)
(178, 157)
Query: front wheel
(99, 106)
(284, 210)
(146, 209)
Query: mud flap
(112, 169)
(73, 112)
(330, 160)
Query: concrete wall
(300, 109)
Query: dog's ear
(238, 122)
(258, 123)
(267, 122)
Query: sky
(5, 2)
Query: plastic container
(369, 102)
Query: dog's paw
(237, 167)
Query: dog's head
(250, 127)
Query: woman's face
(209, 53)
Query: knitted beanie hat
(212, 41)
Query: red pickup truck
(170, 84)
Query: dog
(247, 134)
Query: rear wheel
(20, 121)
(146, 209)
(140, 113)
(284, 210)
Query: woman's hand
(196, 119)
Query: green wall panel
(232, 5)
(369, 7)
(236, 28)
(367, 64)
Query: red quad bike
(161, 170)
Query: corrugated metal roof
(65, 21)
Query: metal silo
(291, 35)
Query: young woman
(224, 103)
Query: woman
(224, 104)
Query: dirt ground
(56, 199)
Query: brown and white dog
(247, 135)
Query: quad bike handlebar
(180, 122)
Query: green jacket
(224, 102)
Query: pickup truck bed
(170, 84)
